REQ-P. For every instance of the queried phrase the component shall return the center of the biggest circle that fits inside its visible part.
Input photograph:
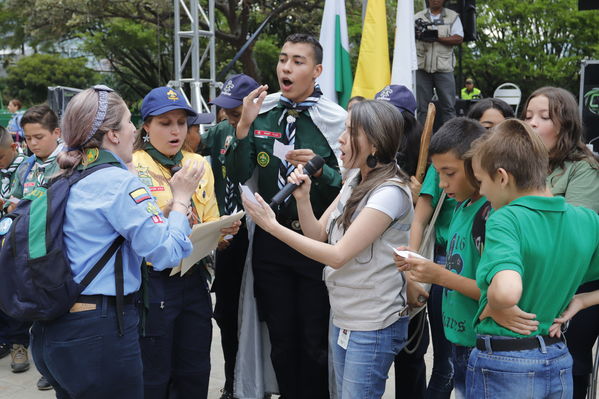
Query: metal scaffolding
(191, 42)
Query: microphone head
(313, 165)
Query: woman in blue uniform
(83, 354)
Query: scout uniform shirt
(40, 173)
(156, 177)
(551, 244)
(215, 143)
(464, 248)
(256, 151)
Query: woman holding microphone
(372, 211)
(83, 354)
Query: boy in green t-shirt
(464, 241)
(538, 251)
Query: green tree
(531, 44)
(30, 77)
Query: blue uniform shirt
(112, 202)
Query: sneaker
(43, 384)
(4, 350)
(20, 360)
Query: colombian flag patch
(140, 195)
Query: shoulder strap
(429, 232)
(30, 162)
(479, 225)
(102, 262)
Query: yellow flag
(374, 70)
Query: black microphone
(310, 168)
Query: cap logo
(172, 95)
(385, 94)
(228, 87)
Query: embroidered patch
(157, 219)
(264, 133)
(156, 188)
(5, 226)
(152, 209)
(172, 95)
(224, 171)
(263, 159)
(91, 155)
(140, 195)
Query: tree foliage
(531, 44)
(30, 77)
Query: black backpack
(37, 281)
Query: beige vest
(436, 57)
(368, 293)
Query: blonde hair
(77, 122)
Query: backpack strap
(30, 162)
(479, 226)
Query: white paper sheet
(205, 237)
(280, 150)
(406, 254)
(247, 192)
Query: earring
(147, 138)
(371, 161)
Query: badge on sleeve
(140, 195)
(153, 210)
(263, 159)
(5, 225)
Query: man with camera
(438, 30)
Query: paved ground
(22, 386)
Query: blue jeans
(362, 369)
(83, 357)
(544, 372)
(459, 359)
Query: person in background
(553, 114)
(469, 92)
(14, 125)
(490, 112)
(230, 257)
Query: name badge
(264, 133)
(343, 339)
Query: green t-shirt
(551, 244)
(430, 186)
(256, 152)
(466, 241)
(578, 182)
(215, 143)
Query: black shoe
(43, 384)
(226, 394)
(4, 350)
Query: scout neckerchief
(7, 173)
(39, 167)
(163, 159)
(230, 200)
(94, 156)
(292, 110)
(169, 163)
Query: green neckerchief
(163, 159)
(95, 156)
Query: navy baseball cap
(200, 119)
(164, 99)
(234, 90)
(398, 95)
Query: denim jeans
(440, 384)
(362, 369)
(459, 358)
(544, 372)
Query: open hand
(261, 213)
(512, 318)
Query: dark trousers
(580, 338)
(410, 369)
(441, 383)
(83, 357)
(14, 331)
(176, 347)
(293, 301)
(227, 284)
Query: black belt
(515, 344)
(98, 299)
